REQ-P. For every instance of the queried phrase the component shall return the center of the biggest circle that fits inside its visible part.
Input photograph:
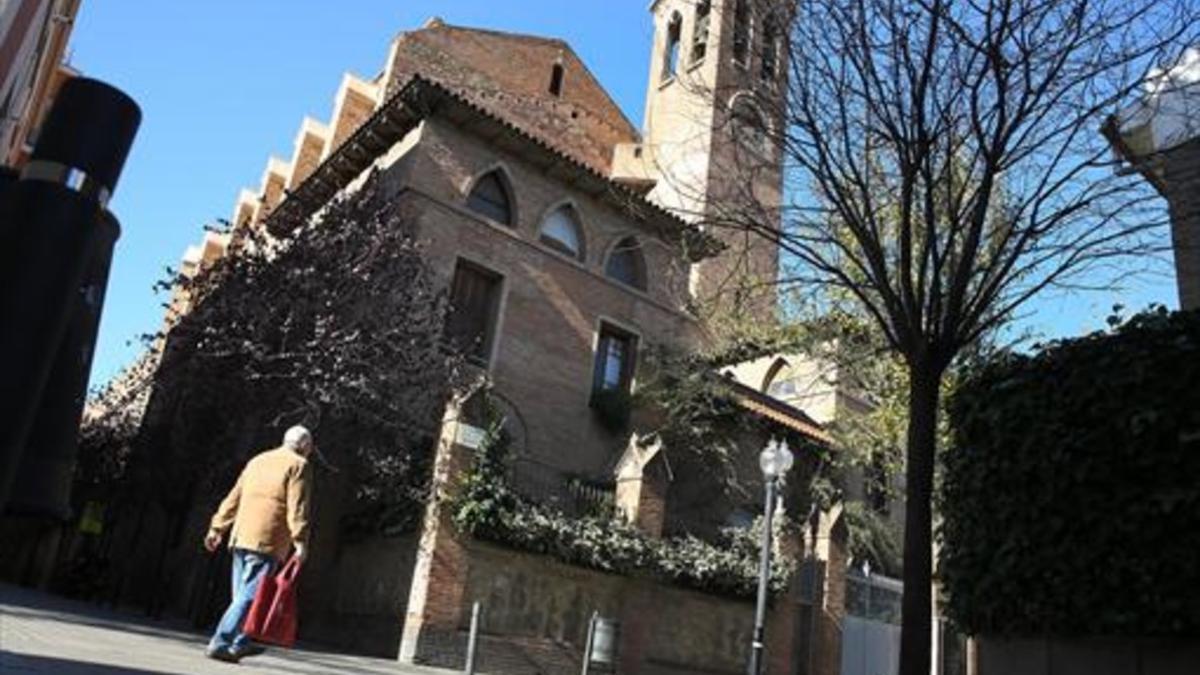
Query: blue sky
(225, 83)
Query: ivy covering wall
(1071, 498)
(488, 509)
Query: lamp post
(775, 460)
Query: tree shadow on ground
(33, 664)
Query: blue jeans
(249, 568)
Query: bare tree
(943, 166)
(337, 325)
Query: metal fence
(874, 597)
(871, 630)
(570, 493)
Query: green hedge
(488, 509)
(1071, 495)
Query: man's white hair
(297, 437)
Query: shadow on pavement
(98, 618)
(39, 615)
(32, 664)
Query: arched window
(556, 79)
(748, 126)
(700, 30)
(489, 198)
(626, 264)
(769, 65)
(561, 231)
(671, 52)
(741, 33)
(781, 380)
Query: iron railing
(571, 493)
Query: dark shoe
(245, 650)
(221, 654)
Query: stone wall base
(1099, 656)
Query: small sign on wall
(469, 436)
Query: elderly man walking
(267, 510)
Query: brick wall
(355, 103)
(701, 171)
(310, 146)
(274, 179)
(245, 208)
(552, 306)
(583, 120)
(363, 596)
(535, 615)
(533, 602)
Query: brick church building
(569, 240)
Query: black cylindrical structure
(44, 475)
(51, 221)
(8, 178)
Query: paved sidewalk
(41, 633)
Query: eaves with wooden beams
(771, 408)
(421, 98)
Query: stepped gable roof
(419, 98)
(508, 75)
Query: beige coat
(268, 507)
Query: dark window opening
(616, 352)
(561, 231)
(671, 54)
(741, 33)
(626, 264)
(489, 198)
(770, 49)
(556, 79)
(782, 381)
(474, 305)
(700, 30)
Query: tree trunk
(924, 388)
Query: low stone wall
(540, 607)
(358, 603)
(1100, 656)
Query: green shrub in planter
(487, 508)
(612, 408)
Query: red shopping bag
(272, 616)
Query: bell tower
(713, 108)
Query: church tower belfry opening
(712, 116)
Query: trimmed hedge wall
(1071, 497)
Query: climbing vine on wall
(1071, 500)
(488, 509)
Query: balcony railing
(570, 493)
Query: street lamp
(775, 460)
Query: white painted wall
(1169, 113)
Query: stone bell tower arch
(709, 144)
